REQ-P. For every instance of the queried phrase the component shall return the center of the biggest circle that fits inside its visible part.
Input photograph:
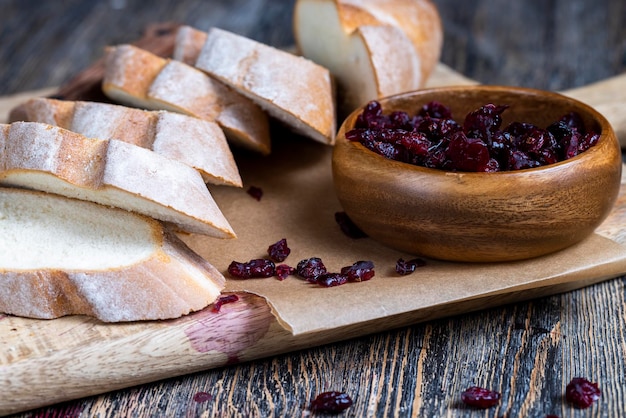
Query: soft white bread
(111, 172)
(374, 48)
(138, 78)
(290, 88)
(198, 143)
(61, 256)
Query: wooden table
(528, 351)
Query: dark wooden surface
(527, 351)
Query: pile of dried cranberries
(432, 138)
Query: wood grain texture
(527, 350)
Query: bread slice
(374, 48)
(198, 143)
(138, 78)
(290, 88)
(188, 44)
(64, 256)
(111, 172)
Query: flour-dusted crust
(290, 88)
(148, 273)
(138, 78)
(188, 44)
(111, 172)
(196, 142)
(374, 48)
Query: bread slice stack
(198, 143)
(288, 87)
(85, 238)
(138, 78)
(373, 48)
(65, 256)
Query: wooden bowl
(480, 217)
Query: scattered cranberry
(348, 227)
(279, 250)
(311, 268)
(283, 270)
(582, 393)
(258, 268)
(359, 271)
(431, 138)
(202, 397)
(407, 267)
(330, 279)
(255, 192)
(217, 306)
(480, 397)
(331, 402)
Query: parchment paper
(299, 204)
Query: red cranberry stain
(237, 327)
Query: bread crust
(136, 77)
(110, 172)
(403, 40)
(198, 143)
(290, 88)
(172, 281)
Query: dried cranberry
(311, 268)
(330, 279)
(255, 192)
(436, 110)
(283, 270)
(359, 272)
(331, 402)
(348, 227)
(480, 397)
(258, 268)
(224, 300)
(202, 397)
(574, 122)
(468, 154)
(279, 250)
(582, 393)
(407, 267)
(431, 138)
(483, 122)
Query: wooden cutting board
(45, 362)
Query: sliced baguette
(374, 48)
(111, 172)
(198, 143)
(141, 79)
(290, 88)
(188, 44)
(63, 256)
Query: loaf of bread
(65, 256)
(198, 143)
(138, 78)
(290, 88)
(374, 48)
(110, 172)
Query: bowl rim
(606, 133)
